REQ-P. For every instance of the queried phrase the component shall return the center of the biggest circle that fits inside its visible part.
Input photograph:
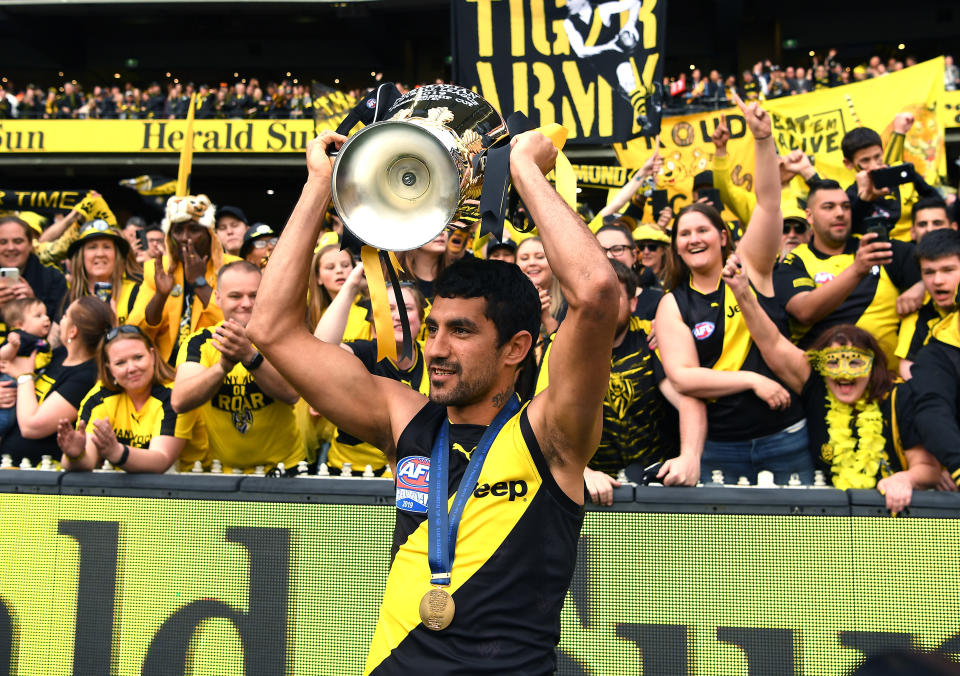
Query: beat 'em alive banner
(594, 67)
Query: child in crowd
(30, 325)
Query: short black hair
(822, 184)
(626, 276)
(858, 139)
(938, 244)
(513, 302)
(928, 203)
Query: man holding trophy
(489, 491)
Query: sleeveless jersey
(724, 344)
(515, 554)
(348, 448)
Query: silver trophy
(397, 183)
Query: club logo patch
(704, 330)
(413, 484)
(823, 277)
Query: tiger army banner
(595, 68)
(814, 123)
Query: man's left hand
(680, 471)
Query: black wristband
(123, 457)
(254, 363)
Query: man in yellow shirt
(247, 406)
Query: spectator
(231, 227)
(246, 406)
(61, 386)
(804, 84)
(176, 296)
(329, 271)
(412, 372)
(714, 92)
(863, 153)
(207, 108)
(652, 245)
(639, 425)
(533, 263)
(127, 418)
(32, 106)
(796, 231)
(154, 101)
(618, 244)
(749, 88)
(425, 263)
(938, 254)
(258, 243)
(753, 423)
(861, 430)
(156, 241)
(34, 279)
(951, 74)
(104, 266)
(929, 214)
(502, 251)
(840, 279)
(69, 103)
(131, 232)
(238, 102)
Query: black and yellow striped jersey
(639, 424)
(515, 554)
(872, 305)
(724, 344)
(915, 329)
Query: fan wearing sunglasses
(796, 231)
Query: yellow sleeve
(908, 327)
(148, 287)
(741, 202)
(595, 224)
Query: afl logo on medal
(703, 330)
(413, 484)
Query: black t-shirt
(70, 382)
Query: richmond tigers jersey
(724, 344)
(515, 555)
(246, 426)
(348, 448)
(872, 305)
(915, 329)
(136, 428)
(639, 425)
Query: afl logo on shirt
(703, 330)
(413, 482)
(823, 277)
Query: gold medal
(436, 609)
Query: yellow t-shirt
(155, 418)
(246, 426)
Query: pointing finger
(739, 102)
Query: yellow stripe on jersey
(486, 523)
(736, 336)
(948, 330)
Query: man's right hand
(871, 252)
(600, 486)
(319, 163)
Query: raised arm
(334, 383)
(633, 184)
(787, 360)
(567, 416)
(761, 242)
(333, 323)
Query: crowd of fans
(766, 80)
(800, 327)
(245, 99)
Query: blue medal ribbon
(442, 527)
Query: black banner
(594, 67)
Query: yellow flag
(186, 153)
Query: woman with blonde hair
(328, 271)
(127, 417)
(103, 265)
(533, 263)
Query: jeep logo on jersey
(822, 277)
(511, 489)
(413, 483)
(703, 330)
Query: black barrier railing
(107, 572)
